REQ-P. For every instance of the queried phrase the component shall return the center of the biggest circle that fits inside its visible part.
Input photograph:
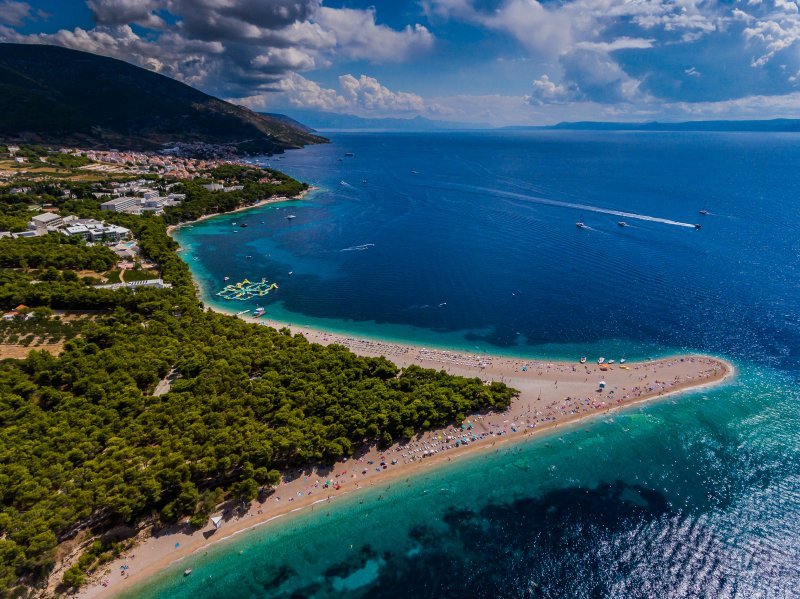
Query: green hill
(53, 95)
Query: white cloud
(14, 13)
(358, 36)
(363, 95)
(548, 92)
(621, 43)
(368, 94)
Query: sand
(552, 394)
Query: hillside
(53, 95)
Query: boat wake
(358, 248)
(571, 205)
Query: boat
(349, 154)
(580, 225)
(622, 223)
(243, 225)
(697, 226)
(227, 278)
(414, 173)
(611, 361)
(704, 212)
(290, 217)
(249, 257)
(187, 571)
(291, 272)
(258, 312)
(622, 360)
(600, 360)
(583, 360)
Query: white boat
(622, 360)
(290, 217)
(622, 223)
(580, 225)
(600, 360)
(611, 361)
(704, 212)
(187, 571)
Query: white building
(214, 187)
(43, 221)
(120, 204)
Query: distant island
(331, 121)
(56, 96)
(771, 125)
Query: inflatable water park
(246, 289)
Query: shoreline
(428, 451)
(258, 204)
(542, 408)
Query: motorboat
(704, 212)
(580, 225)
(583, 360)
(698, 226)
(622, 223)
(600, 360)
(290, 217)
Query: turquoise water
(693, 496)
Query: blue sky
(494, 61)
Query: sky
(499, 62)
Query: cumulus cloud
(358, 36)
(598, 78)
(14, 13)
(229, 47)
(548, 92)
(362, 95)
(123, 12)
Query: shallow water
(693, 496)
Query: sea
(469, 241)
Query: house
(121, 204)
(10, 315)
(43, 221)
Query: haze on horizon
(500, 62)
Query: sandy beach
(552, 394)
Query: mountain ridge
(57, 96)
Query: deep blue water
(469, 240)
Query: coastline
(154, 553)
(258, 204)
(541, 408)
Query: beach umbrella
(602, 384)
(216, 521)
